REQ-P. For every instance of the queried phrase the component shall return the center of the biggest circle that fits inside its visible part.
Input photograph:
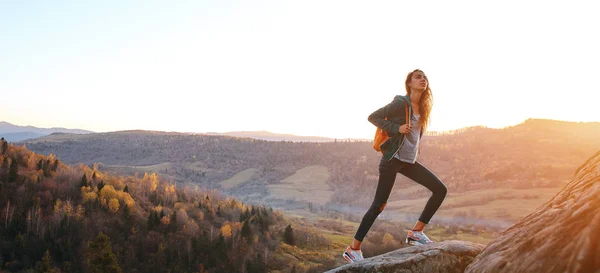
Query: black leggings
(387, 177)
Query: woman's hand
(405, 128)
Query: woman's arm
(378, 117)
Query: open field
(238, 178)
(308, 184)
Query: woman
(400, 153)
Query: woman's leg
(387, 176)
(425, 177)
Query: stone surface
(562, 235)
(442, 257)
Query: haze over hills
(491, 173)
(265, 135)
(14, 133)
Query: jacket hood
(404, 97)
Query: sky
(312, 68)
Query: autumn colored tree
(226, 230)
(113, 205)
(165, 220)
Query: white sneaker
(417, 238)
(352, 255)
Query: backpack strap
(407, 115)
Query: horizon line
(296, 135)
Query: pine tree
(288, 235)
(5, 164)
(258, 265)
(247, 232)
(100, 256)
(55, 165)
(4, 146)
(5, 167)
(45, 265)
(244, 215)
(13, 172)
(221, 248)
(100, 185)
(83, 182)
(173, 223)
(126, 211)
(40, 164)
(46, 168)
(152, 219)
(126, 189)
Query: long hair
(425, 102)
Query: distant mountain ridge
(14, 133)
(265, 135)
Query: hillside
(479, 165)
(264, 135)
(545, 248)
(62, 218)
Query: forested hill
(536, 153)
(61, 218)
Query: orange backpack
(381, 135)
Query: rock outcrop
(447, 257)
(563, 235)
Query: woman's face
(418, 81)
